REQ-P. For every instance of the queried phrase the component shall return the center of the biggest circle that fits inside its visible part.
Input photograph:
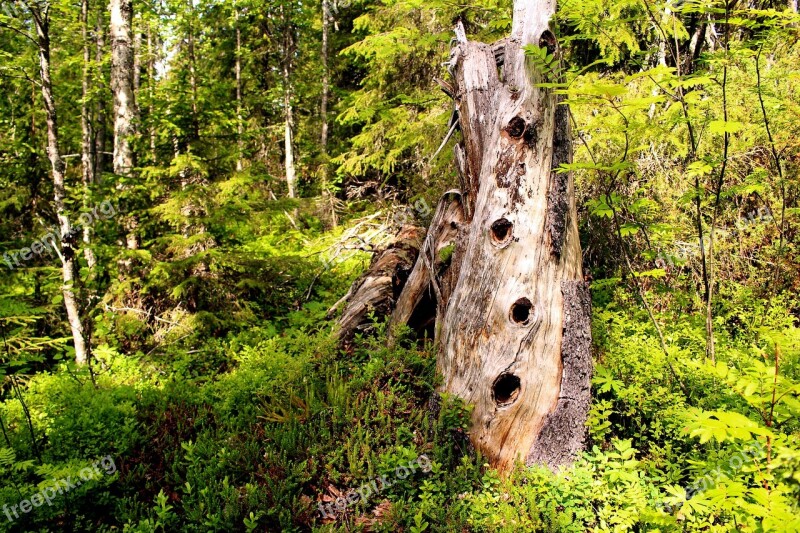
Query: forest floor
(245, 415)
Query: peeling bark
(563, 434)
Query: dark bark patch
(563, 434)
(557, 196)
(505, 162)
(505, 389)
(531, 135)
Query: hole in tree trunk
(521, 311)
(505, 389)
(530, 136)
(423, 318)
(502, 230)
(548, 40)
(516, 127)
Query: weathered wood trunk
(512, 309)
(378, 288)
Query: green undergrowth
(292, 423)
(215, 423)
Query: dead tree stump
(510, 307)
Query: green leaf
(720, 126)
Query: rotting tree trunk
(500, 271)
(69, 267)
(122, 84)
(379, 287)
(515, 334)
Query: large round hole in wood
(505, 389)
(502, 231)
(516, 127)
(521, 311)
(548, 40)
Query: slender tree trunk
(793, 6)
(710, 347)
(288, 136)
(511, 308)
(193, 74)
(323, 111)
(68, 238)
(122, 84)
(151, 81)
(288, 140)
(137, 62)
(100, 106)
(88, 163)
(239, 121)
(326, 16)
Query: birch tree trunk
(239, 121)
(512, 310)
(69, 267)
(288, 136)
(122, 84)
(151, 82)
(100, 103)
